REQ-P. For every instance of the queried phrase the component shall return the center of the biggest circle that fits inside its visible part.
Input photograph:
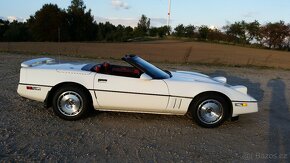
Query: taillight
(29, 87)
(33, 88)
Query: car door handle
(102, 80)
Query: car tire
(71, 103)
(209, 110)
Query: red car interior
(107, 68)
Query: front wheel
(209, 110)
(71, 103)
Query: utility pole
(169, 12)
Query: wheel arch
(48, 99)
(215, 93)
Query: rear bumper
(33, 92)
(244, 107)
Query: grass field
(161, 51)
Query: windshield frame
(146, 67)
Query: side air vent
(175, 102)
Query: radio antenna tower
(169, 12)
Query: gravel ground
(29, 132)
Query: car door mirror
(144, 76)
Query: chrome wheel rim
(70, 103)
(210, 111)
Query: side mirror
(144, 76)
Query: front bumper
(244, 107)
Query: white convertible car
(72, 89)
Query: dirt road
(29, 132)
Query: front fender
(192, 89)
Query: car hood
(193, 76)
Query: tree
(17, 31)
(81, 23)
(189, 31)
(164, 30)
(4, 25)
(128, 33)
(105, 31)
(179, 31)
(159, 31)
(253, 31)
(121, 33)
(203, 32)
(77, 5)
(287, 41)
(153, 31)
(275, 34)
(109, 32)
(216, 35)
(143, 26)
(47, 22)
(237, 31)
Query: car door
(131, 94)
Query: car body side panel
(178, 105)
(48, 78)
(131, 94)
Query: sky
(214, 13)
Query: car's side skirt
(138, 111)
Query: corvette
(72, 89)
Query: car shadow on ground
(254, 89)
(279, 118)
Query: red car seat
(106, 68)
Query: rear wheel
(71, 103)
(209, 110)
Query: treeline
(52, 23)
(271, 35)
(76, 23)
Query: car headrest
(106, 65)
(136, 71)
(97, 68)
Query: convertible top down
(72, 89)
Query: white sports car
(72, 89)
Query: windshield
(148, 68)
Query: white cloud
(119, 4)
(212, 27)
(13, 18)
